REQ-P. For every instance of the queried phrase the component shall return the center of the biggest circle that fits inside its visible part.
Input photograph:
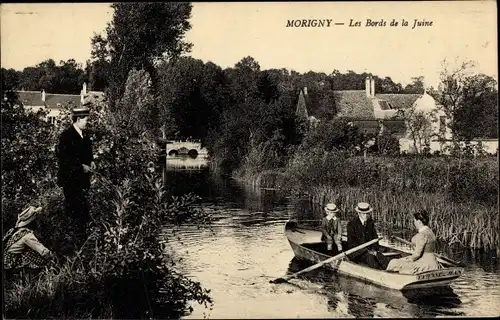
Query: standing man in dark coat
(75, 157)
(361, 230)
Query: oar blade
(329, 260)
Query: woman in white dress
(423, 257)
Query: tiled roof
(399, 101)
(34, 98)
(353, 104)
(30, 98)
(52, 100)
(301, 110)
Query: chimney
(305, 91)
(83, 93)
(372, 91)
(367, 86)
(43, 95)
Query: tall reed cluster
(459, 180)
(462, 196)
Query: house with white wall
(374, 113)
(52, 102)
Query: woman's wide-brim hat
(363, 207)
(27, 216)
(331, 208)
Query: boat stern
(435, 278)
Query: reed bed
(469, 224)
(461, 195)
(459, 180)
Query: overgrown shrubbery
(460, 180)
(122, 270)
(28, 160)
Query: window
(384, 105)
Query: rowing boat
(306, 245)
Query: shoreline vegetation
(461, 194)
(122, 270)
(255, 127)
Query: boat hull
(304, 241)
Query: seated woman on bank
(331, 227)
(21, 247)
(423, 257)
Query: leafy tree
(248, 64)
(11, 79)
(469, 101)
(477, 115)
(135, 111)
(419, 129)
(139, 35)
(267, 87)
(98, 66)
(65, 78)
(417, 86)
(192, 96)
(69, 77)
(449, 92)
(388, 86)
(47, 75)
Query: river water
(245, 248)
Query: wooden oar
(448, 260)
(319, 264)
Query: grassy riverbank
(462, 195)
(120, 272)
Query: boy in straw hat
(331, 227)
(75, 157)
(21, 247)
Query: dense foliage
(28, 160)
(121, 271)
(140, 35)
(471, 100)
(67, 77)
(245, 116)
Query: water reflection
(245, 248)
(362, 299)
(197, 162)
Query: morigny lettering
(308, 23)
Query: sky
(224, 33)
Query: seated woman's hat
(331, 208)
(27, 216)
(363, 207)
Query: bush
(28, 160)
(335, 135)
(474, 181)
(122, 270)
(471, 180)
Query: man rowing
(360, 230)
